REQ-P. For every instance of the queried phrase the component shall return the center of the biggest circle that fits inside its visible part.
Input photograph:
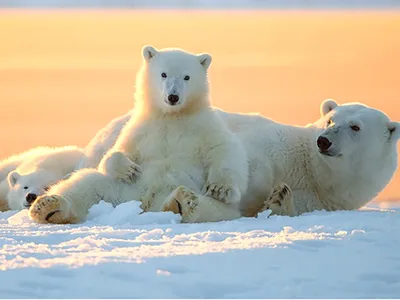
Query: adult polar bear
(340, 162)
(174, 149)
(327, 164)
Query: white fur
(283, 153)
(10, 164)
(164, 146)
(361, 164)
(36, 173)
(102, 142)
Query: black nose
(30, 198)
(323, 143)
(173, 99)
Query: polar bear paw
(120, 167)
(223, 193)
(280, 202)
(51, 209)
(184, 202)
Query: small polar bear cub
(9, 164)
(25, 188)
(37, 173)
(175, 153)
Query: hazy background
(68, 67)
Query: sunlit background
(68, 67)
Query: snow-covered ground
(122, 253)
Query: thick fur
(357, 166)
(171, 154)
(102, 142)
(36, 173)
(10, 164)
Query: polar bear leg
(280, 202)
(70, 201)
(196, 208)
(119, 166)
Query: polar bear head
(173, 80)
(358, 141)
(25, 188)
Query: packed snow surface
(119, 252)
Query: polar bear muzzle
(323, 144)
(173, 99)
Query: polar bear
(36, 173)
(340, 162)
(93, 153)
(10, 164)
(174, 150)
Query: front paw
(184, 202)
(221, 192)
(280, 202)
(51, 209)
(120, 167)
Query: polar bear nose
(323, 143)
(173, 99)
(30, 198)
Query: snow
(119, 252)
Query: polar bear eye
(25, 187)
(355, 128)
(187, 77)
(163, 75)
(46, 188)
(329, 123)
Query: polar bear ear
(205, 60)
(13, 178)
(327, 106)
(149, 52)
(394, 130)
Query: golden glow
(64, 75)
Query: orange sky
(64, 75)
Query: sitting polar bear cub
(174, 149)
